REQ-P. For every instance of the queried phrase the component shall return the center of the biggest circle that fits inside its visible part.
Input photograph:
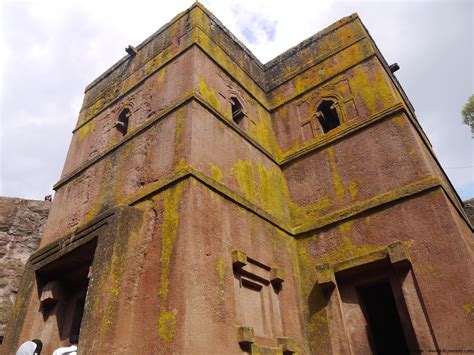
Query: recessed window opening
(122, 123)
(385, 328)
(237, 112)
(327, 116)
(62, 290)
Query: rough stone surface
(195, 231)
(469, 208)
(21, 228)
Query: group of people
(34, 347)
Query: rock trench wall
(21, 228)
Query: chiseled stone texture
(469, 209)
(149, 220)
(21, 227)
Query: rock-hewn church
(212, 204)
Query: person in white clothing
(68, 350)
(30, 347)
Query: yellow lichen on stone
(353, 189)
(306, 264)
(311, 292)
(399, 121)
(266, 187)
(319, 327)
(84, 130)
(347, 250)
(181, 166)
(336, 176)
(425, 268)
(209, 95)
(179, 131)
(110, 283)
(306, 260)
(345, 228)
(216, 173)
(199, 18)
(304, 214)
(95, 108)
(468, 307)
(169, 232)
(272, 191)
(307, 285)
(230, 65)
(262, 131)
(244, 173)
(162, 58)
(316, 75)
(373, 88)
(179, 127)
(301, 83)
(167, 326)
(161, 74)
(344, 250)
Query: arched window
(237, 112)
(327, 115)
(122, 123)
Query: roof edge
(305, 43)
(275, 61)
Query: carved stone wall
(21, 227)
(199, 231)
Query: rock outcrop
(21, 227)
(469, 208)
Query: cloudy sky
(50, 50)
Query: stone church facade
(213, 204)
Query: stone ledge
(395, 253)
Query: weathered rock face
(213, 204)
(21, 227)
(469, 209)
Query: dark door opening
(62, 288)
(385, 329)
